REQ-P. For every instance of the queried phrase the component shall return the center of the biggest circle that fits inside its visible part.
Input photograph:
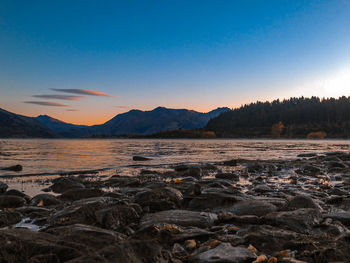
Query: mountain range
(17, 126)
(131, 122)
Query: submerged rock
(14, 168)
(140, 158)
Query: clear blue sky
(180, 54)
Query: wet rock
(336, 164)
(20, 245)
(140, 158)
(192, 171)
(342, 216)
(194, 189)
(180, 217)
(88, 235)
(306, 155)
(309, 170)
(117, 217)
(255, 167)
(262, 188)
(265, 238)
(228, 176)
(123, 181)
(228, 217)
(301, 220)
(14, 168)
(44, 200)
(34, 211)
(82, 211)
(11, 201)
(50, 258)
(224, 253)
(8, 218)
(3, 187)
(214, 200)
(15, 192)
(190, 244)
(160, 199)
(337, 191)
(130, 251)
(178, 251)
(81, 193)
(66, 183)
(230, 163)
(302, 201)
(252, 207)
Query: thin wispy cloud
(121, 107)
(58, 97)
(85, 92)
(72, 110)
(46, 103)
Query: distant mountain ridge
(148, 122)
(57, 125)
(132, 122)
(17, 126)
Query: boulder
(63, 184)
(342, 216)
(8, 218)
(117, 217)
(160, 199)
(180, 217)
(80, 193)
(11, 201)
(224, 253)
(44, 200)
(3, 187)
(88, 235)
(252, 207)
(82, 211)
(301, 220)
(21, 245)
(302, 201)
(228, 176)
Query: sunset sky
(86, 61)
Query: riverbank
(227, 211)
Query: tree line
(290, 118)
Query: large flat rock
(181, 218)
(225, 253)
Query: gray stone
(180, 217)
(224, 253)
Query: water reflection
(55, 156)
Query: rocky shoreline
(233, 211)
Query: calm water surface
(41, 156)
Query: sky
(86, 61)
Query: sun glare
(337, 84)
